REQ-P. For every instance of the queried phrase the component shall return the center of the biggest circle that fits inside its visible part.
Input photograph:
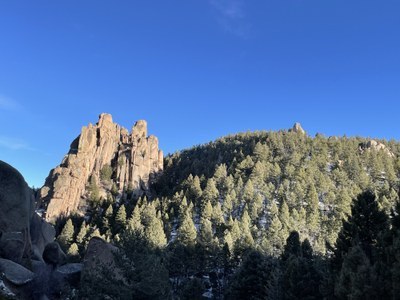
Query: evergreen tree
(187, 233)
(284, 216)
(73, 251)
(300, 278)
(207, 210)
(67, 234)
(210, 192)
(108, 219)
(364, 228)
(120, 218)
(80, 238)
(354, 280)
(312, 209)
(134, 222)
(154, 232)
(248, 191)
(193, 290)
(217, 215)
(252, 279)
(276, 235)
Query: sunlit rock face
(134, 158)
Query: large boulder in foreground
(15, 273)
(16, 209)
(42, 234)
(99, 263)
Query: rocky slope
(133, 158)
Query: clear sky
(194, 69)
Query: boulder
(100, 254)
(5, 292)
(42, 233)
(70, 273)
(12, 246)
(16, 209)
(134, 157)
(53, 255)
(15, 273)
(375, 146)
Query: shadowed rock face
(30, 262)
(16, 209)
(134, 158)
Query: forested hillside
(263, 215)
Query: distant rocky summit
(297, 128)
(106, 156)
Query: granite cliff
(132, 161)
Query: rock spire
(133, 159)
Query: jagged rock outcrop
(297, 128)
(134, 159)
(376, 146)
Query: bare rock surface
(16, 209)
(134, 158)
(298, 129)
(100, 255)
(42, 233)
(15, 273)
(376, 146)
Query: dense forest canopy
(256, 215)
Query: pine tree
(154, 232)
(187, 233)
(284, 216)
(312, 209)
(120, 218)
(363, 228)
(217, 215)
(206, 233)
(67, 234)
(276, 234)
(228, 205)
(134, 222)
(107, 218)
(80, 238)
(300, 278)
(207, 210)
(252, 280)
(248, 191)
(73, 250)
(354, 280)
(210, 192)
(195, 188)
(219, 176)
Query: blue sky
(195, 70)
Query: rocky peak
(297, 128)
(134, 159)
(139, 130)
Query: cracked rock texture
(134, 158)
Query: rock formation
(16, 210)
(297, 128)
(30, 260)
(376, 146)
(134, 159)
